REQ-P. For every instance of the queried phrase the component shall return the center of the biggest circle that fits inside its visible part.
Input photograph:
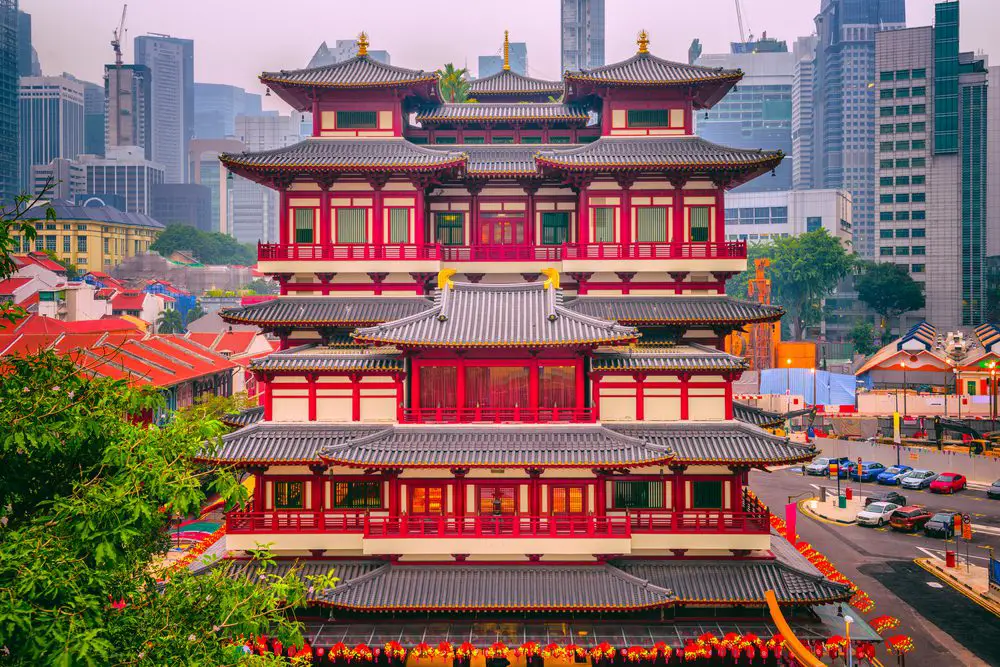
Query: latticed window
(700, 216)
(357, 495)
(351, 224)
(531, 140)
(399, 225)
(450, 228)
(568, 500)
(651, 224)
(706, 495)
(357, 120)
(288, 495)
(304, 225)
(475, 140)
(503, 140)
(497, 500)
(604, 224)
(638, 495)
(559, 140)
(555, 228)
(427, 500)
(648, 118)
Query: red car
(948, 482)
(910, 518)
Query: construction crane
(119, 35)
(743, 29)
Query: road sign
(859, 460)
(914, 456)
(966, 518)
(958, 523)
(967, 531)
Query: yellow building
(94, 238)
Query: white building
(64, 179)
(124, 171)
(758, 216)
(50, 112)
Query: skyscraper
(171, 62)
(804, 175)
(51, 122)
(127, 100)
(933, 166)
(93, 118)
(27, 57)
(8, 101)
(844, 127)
(582, 34)
(125, 172)
(757, 113)
(216, 107)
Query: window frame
(287, 485)
(366, 504)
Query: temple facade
(501, 411)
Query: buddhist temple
(501, 411)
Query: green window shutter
(651, 224)
(700, 216)
(555, 228)
(444, 140)
(531, 140)
(450, 228)
(304, 223)
(475, 140)
(706, 495)
(288, 495)
(638, 495)
(351, 225)
(399, 225)
(604, 225)
(417, 140)
(503, 140)
(648, 118)
(357, 120)
(558, 140)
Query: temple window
(648, 118)
(357, 495)
(475, 140)
(700, 216)
(503, 140)
(501, 229)
(555, 228)
(559, 140)
(568, 500)
(305, 219)
(651, 224)
(351, 224)
(450, 228)
(288, 495)
(604, 224)
(427, 499)
(445, 140)
(638, 495)
(531, 140)
(496, 386)
(357, 120)
(399, 225)
(706, 495)
(437, 386)
(497, 500)
(556, 386)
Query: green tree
(454, 83)
(863, 337)
(889, 290)
(193, 314)
(170, 322)
(261, 286)
(72, 273)
(207, 247)
(17, 230)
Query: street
(947, 628)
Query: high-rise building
(518, 59)
(171, 62)
(51, 121)
(183, 204)
(128, 105)
(206, 170)
(60, 179)
(216, 107)
(844, 108)
(804, 175)
(932, 162)
(758, 112)
(9, 140)
(124, 171)
(27, 56)
(761, 216)
(93, 118)
(344, 49)
(582, 34)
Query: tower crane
(119, 35)
(744, 37)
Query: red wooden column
(625, 225)
(378, 222)
(530, 232)
(677, 233)
(459, 490)
(736, 490)
(419, 215)
(582, 216)
(318, 487)
(533, 384)
(317, 120)
(268, 400)
(720, 214)
(325, 216)
(392, 476)
(534, 497)
(581, 384)
(601, 495)
(258, 488)
(640, 397)
(311, 377)
(685, 379)
(355, 398)
(400, 396)
(729, 395)
(678, 487)
(283, 228)
(460, 384)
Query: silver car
(918, 479)
(820, 466)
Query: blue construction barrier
(831, 388)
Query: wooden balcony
(277, 252)
(699, 521)
(498, 526)
(502, 253)
(499, 415)
(656, 251)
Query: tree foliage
(863, 338)
(17, 226)
(454, 83)
(170, 322)
(261, 286)
(889, 290)
(207, 247)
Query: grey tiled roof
(718, 442)
(358, 72)
(511, 315)
(276, 443)
(495, 446)
(314, 357)
(645, 69)
(244, 417)
(346, 155)
(507, 82)
(675, 310)
(454, 587)
(675, 153)
(499, 111)
(691, 357)
(501, 160)
(756, 416)
(329, 311)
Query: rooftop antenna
(118, 36)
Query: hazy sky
(237, 39)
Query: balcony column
(581, 383)
(685, 379)
(460, 490)
(720, 213)
(460, 385)
(475, 235)
(392, 479)
(318, 487)
(378, 181)
(582, 214)
(625, 225)
(400, 396)
(533, 374)
(640, 396)
(677, 227)
(258, 487)
(419, 213)
(311, 378)
(325, 214)
(268, 398)
(736, 490)
(355, 397)
(531, 237)
(283, 228)
(600, 493)
(677, 487)
(534, 495)
(729, 378)
(317, 117)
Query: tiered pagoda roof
(468, 315)
(707, 443)
(275, 443)
(757, 416)
(509, 86)
(692, 357)
(675, 310)
(325, 312)
(316, 357)
(498, 112)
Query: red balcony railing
(501, 253)
(295, 521)
(726, 250)
(497, 526)
(346, 252)
(498, 415)
(699, 521)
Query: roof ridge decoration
(632, 71)
(361, 71)
(509, 82)
(488, 111)
(647, 310)
(506, 50)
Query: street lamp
(812, 371)
(788, 393)
(847, 628)
(903, 364)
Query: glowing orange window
(427, 500)
(568, 500)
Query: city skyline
(85, 49)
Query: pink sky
(237, 39)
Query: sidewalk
(972, 582)
(829, 511)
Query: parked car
(893, 497)
(910, 518)
(845, 471)
(868, 472)
(994, 490)
(917, 479)
(821, 465)
(876, 514)
(941, 524)
(892, 474)
(948, 482)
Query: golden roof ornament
(506, 50)
(643, 41)
(363, 44)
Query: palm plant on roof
(453, 83)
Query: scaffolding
(760, 350)
(9, 88)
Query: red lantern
(321, 652)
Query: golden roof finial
(643, 41)
(506, 50)
(363, 44)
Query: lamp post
(788, 392)
(903, 364)
(847, 630)
(812, 371)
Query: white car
(917, 479)
(876, 514)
